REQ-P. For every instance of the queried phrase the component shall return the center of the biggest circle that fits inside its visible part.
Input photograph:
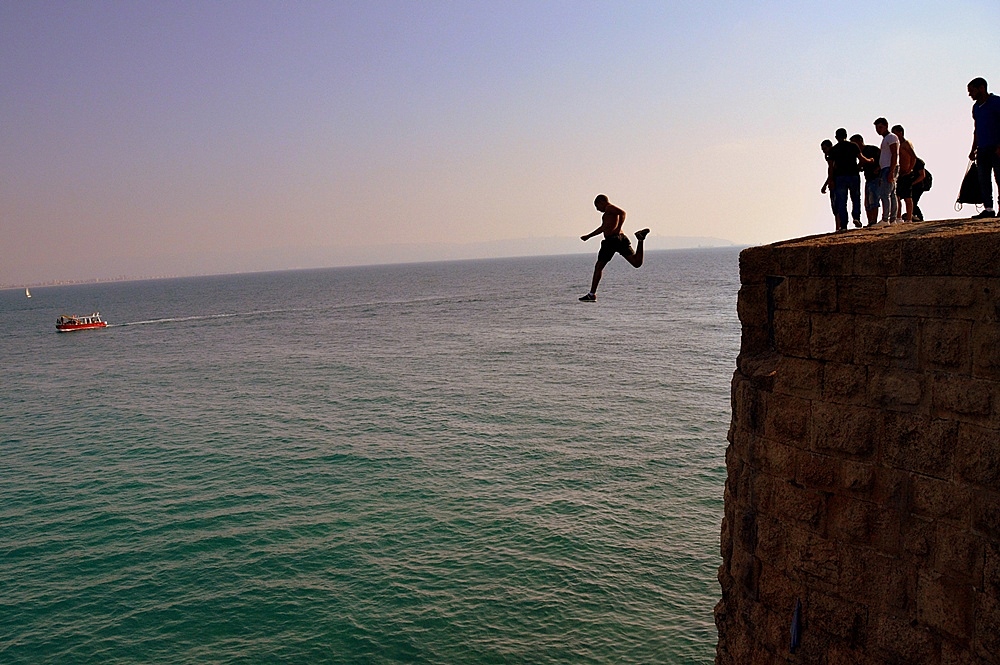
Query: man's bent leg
(636, 258)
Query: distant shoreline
(143, 278)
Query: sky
(175, 138)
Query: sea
(446, 463)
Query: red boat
(71, 322)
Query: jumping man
(614, 242)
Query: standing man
(986, 141)
(615, 241)
(871, 177)
(888, 163)
(907, 160)
(844, 167)
(825, 146)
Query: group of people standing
(893, 175)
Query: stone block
(786, 419)
(986, 350)
(773, 458)
(963, 398)
(919, 539)
(771, 540)
(858, 478)
(836, 616)
(874, 579)
(844, 383)
(832, 337)
(897, 642)
(986, 513)
(987, 640)
(755, 340)
(976, 254)
(788, 503)
(756, 263)
(887, 342)
(748, 405)
(861, 295)
(792, 260)
(792, 330)
(877, 258)
(843, 430)
(919, 443)
(851, 520)
(811, 294)
(817, 472)
(751, 305)
(959, 554)
(946, 292)
(831, 260)
(947, 345)
(776, 591)
(926, 256)
(799, 376)
(940, 499)
(811, 559)
(991, 569)
(896, 389)
(945, 603)
(977, 456)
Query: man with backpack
(985, 142)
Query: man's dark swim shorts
(609, 246)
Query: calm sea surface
(435, 463)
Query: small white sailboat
(27, 292)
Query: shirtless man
(907, 160)
(614, 242)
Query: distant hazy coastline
(296, 258)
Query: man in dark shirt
(844, 158)
(871, 170)
(985, 141)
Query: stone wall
(864, 457)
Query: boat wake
(201, 317)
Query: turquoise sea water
(435, 463)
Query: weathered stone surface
(791, 333)
(896, 389)
(838, 429)
(945, 603)
(947, 345)
(887, 341)
(986, 350)
(921, 256)
(961, 397)
(861, 295)
(878, 258)
(832, 337)
(799, 377)
(940, 499)
(922, 292)
(844, 383)
(864, 457)
(919, 443)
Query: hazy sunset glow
(188, 137)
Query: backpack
(970, 191)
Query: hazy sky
(180, 137)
